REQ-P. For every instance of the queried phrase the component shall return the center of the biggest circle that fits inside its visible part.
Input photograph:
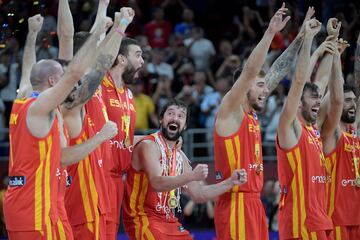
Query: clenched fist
(108, 131)
(200, 172)
(239, 176)
(35, 23)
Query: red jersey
(303, 178)
(87, 195)
(97, 112)
(121, 109)
(144, 209)
(30, 202)
(242, 149)
(344, 196)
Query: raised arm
(73, 154)
(236, 96)
(146, 154)
(287, 123)
(51, 98)
(328, 47)
(282, 65)
(335, 106)
(29, 58)
(108, 50)
(101, 12)
(65, 31)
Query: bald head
(44, 70)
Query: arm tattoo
(282, 64)
(357, 68)
(90, 82)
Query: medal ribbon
(317, 145)
(253, 116)
(171, 156)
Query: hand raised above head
(333, 27)
(312, 27)
(277, 22)
(35, 23)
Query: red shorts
(116, 189)
(63, 230)
(91, 230)
(155, 228)
(56, 232)
(346, 232)
(240, 216)
(317, 235)
(112, 229)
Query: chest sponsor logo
(320, 179)
(348, 183)
(253, 166)
(100, 162)
(121, 145)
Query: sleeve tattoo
(89, 82)
(282, 64)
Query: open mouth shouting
(173, 127)
(351, 112)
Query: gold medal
(173, 202)
(168, 153)
(127, 142)
(357, 181)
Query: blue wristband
(124, 21)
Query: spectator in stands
(201, 49)
(227, 68)
(163, 93)
(210, 105)
(9, 70)
(158, 30)
(158, 66)
(183, 29)
(45, 48)
(183, 66)
(145, 108)
(225, 51)
(173, 10)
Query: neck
(248, 108)
(116, 74)
(303, 120)
(169, 143)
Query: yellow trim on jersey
(38, 187)
(47, 187)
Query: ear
(51, 81)
(122, 59)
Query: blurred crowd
(191, 49)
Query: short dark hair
(124, 47)
(178, 103)
(79, 40)
(349, 88)
(238, 71)
(309, 86)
